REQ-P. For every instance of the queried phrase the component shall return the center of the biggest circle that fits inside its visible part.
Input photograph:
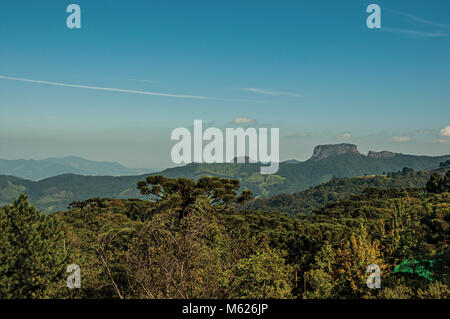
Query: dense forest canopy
(202, 239)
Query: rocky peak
(382, 154)
(324, 151)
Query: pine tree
(434, 184)
(446, 182)
(32, 252)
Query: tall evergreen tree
(32, 252)
(434, 184)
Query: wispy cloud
(432, 34)
(298, 135)
(442, 141)
(418, 19)
(269, 92)
(435, 34)
(98, 88)
(344, 137)
(426, 132)
(400, 139)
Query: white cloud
(400, 139)
(243, 120)
(445, 131)
(442, 141)
(345, 136)
(268, 92)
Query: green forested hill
(55, 193)
(305, 202)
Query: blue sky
(311, 68)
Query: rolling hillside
(343, 160)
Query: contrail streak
(98, 88)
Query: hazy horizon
(170, 164)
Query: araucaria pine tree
(32, 252)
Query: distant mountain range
(328, 161)
(39, 169)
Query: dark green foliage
(32, 251)
(220, 192)
(438, 184)
(197, 239)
